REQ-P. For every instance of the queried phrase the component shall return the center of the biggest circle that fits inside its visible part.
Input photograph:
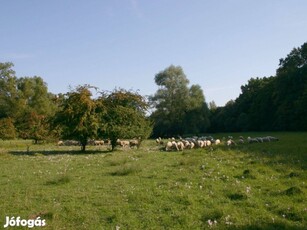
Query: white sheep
(158, 140)
(60, 143)
(207, 143)
(122, 143)
(217, 142)
(134, 142)
(98, 142)
(180, 145)
(252, 140)
(200, 143)
(171, 145)
(230, 142)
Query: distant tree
(7, 129)
(230, 116)
(302, 110)
(242, 122)
(77, 118)
(255, 104)
(35, 107)
(33, 126)
(122, 115)
(34, 95)
(196, 119)
(20, 98)
(170, 101)
(212, 106)
(9, 96)
(270, 103)
(290, 87)
(175, 103)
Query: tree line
(275, 103)
(29, 111)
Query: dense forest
(276, 103)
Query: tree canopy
(178, 108)
(270, 103)
(123, 115)
(77, 118)
(26, 103)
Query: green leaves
(124, 116)
(77, 116)
(176, 103)
(120, 114)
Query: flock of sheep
(188, 143)
(180, 144)
(207, 141)
(107, 142)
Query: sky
(220, 44)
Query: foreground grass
(259, 186)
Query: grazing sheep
(168, 146)
(261, 139)
(186, 144)
(208, 143)
(60, 143)
(134, 142)
(192, 145)
(273, 138)
(252, 140)
(171, 145)
(107, 141)
(200, 143)
(122, 143)
(241, 141)
(180, 145)
(266, 139)
(230, 142)
(217, 142)
(99, 142)
(159, 141)
(175, 146)
(71, 143)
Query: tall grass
(250, 186)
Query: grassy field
(249, 186)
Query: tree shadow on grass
(58, 152)
(268, 226)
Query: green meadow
(248, 186)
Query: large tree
(9, 95)
(35, 106)
(77, 117)
(290, 88)
(123, 115)
(26, 102)
(178, 109)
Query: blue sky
(220, 44)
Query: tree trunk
(83, 147)
(113, 143)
